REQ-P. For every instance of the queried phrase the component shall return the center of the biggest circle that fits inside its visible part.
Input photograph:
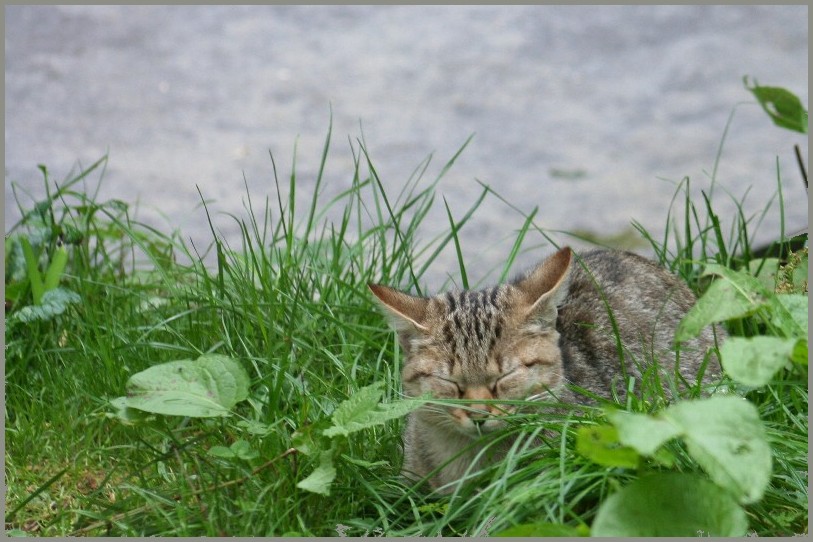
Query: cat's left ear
(407, 312)
(544, 288)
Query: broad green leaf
(206, 387)
(319, 480)
(784, 107)
(544, 529)
(790, 313)
(670, 504)
(726, 437)
(765, 270)
(641, 432)
(724, 300)
(363, 410)
(723, 434)
(754, 361)
(600, 444)
(747, 284)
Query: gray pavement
(585, 111)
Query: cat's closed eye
(496, 383)
(449, 387)
(512, 380)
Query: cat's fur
(529, 338)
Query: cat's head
(496, 343)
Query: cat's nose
(479, 414)
(478, 422)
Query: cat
(528, 339)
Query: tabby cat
(528, 339)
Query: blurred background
(591, 113)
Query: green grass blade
(32, 268)
(715, 226)
(448, 237)
(455, 228)
(523, 231)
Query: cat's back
(629, 280)
(621, 299)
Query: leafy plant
(361, 411)
(41, 284)
(23, 274)
(782, 319)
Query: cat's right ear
(544, 288)
(406, 312)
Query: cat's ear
(406, 312)
(544, 288)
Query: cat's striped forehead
(474, 303)
(472, 322)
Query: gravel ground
(590, 113)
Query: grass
(290, 302)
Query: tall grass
(289, 300)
